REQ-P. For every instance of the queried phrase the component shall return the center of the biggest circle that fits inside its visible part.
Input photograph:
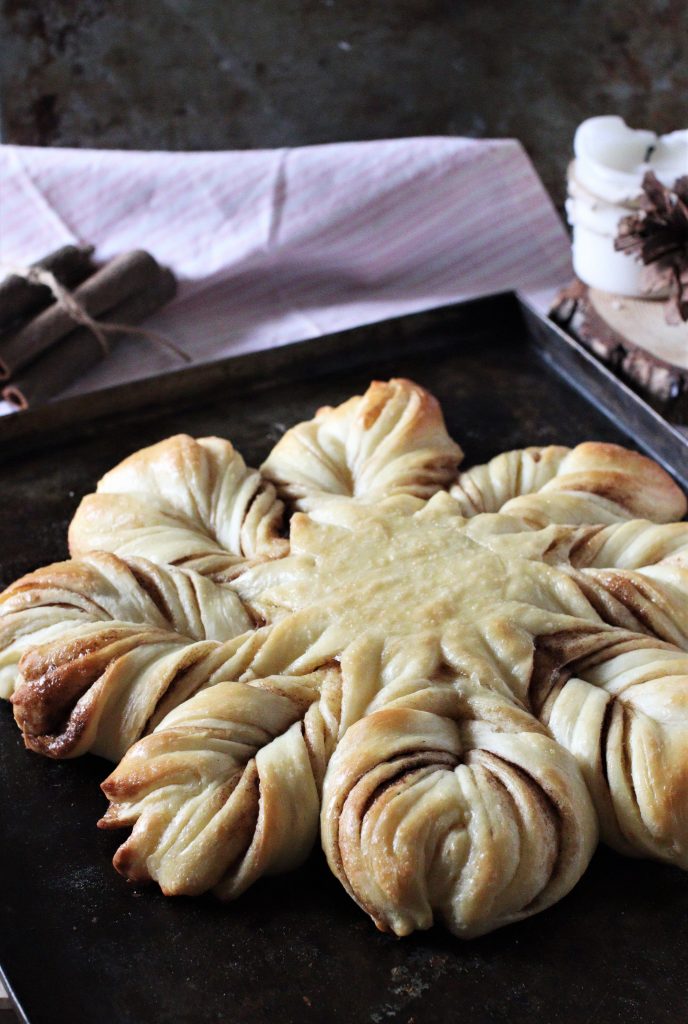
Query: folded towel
(273, 246)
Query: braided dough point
(392, 440)
(620, 705)
(486, 488)
(474, 816)
(632, 545)
(227, 788)
(183, 502)
(592, 483)
(97, 645)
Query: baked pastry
(458, 680)
(93, 651)
(227, 788)
(391, 440)
(547, 485)
(186, 503)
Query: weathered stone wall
(216, 74)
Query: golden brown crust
(499, 812)
(183, 502)
(392, 440)
(619, 701)
(594, 482)
(227, 787)
(95, 645)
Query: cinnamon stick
(20, 298)
(68, 358)
(107, 288)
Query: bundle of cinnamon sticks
(51, 335)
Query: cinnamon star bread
(458, 680)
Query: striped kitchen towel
(273, 246)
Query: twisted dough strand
(390, 441)
(592, 483)
(466, 811)
(96, 645)
(57, 599)
(227, 788)
(632, 545)
(619, 702)
(650, 600)
(183, 502)
(102, 687)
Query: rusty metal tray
(78, 945)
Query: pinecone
(658, 235)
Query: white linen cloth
(273, 246)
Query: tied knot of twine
(99, 328)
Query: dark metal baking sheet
(77, 944)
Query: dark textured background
(222, 74)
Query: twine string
(99, 328)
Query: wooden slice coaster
(633, 338)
